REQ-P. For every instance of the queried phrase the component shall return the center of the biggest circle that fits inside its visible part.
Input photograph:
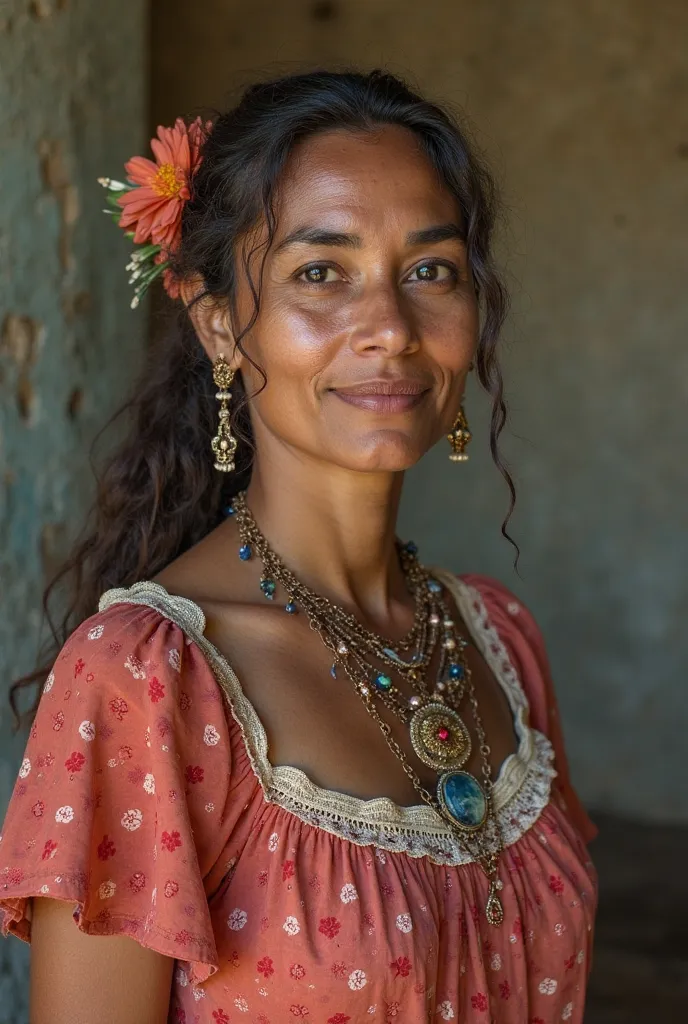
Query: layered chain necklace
(438, 734)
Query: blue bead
(412, 548)
(228, 510)
(268, 588)
(434, 587)
(456, 671)
(464, 798)
(383, 682)
(245, 552)
(290, 607)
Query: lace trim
(520, 793)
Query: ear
(211, 322)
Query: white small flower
(113, 762)
(96, 632)
(272, 842)
(58, 878)
(567, 1011)
(404, 923)
(211, 736)
(581, 957)
(241, 1004)
(371, 1009)
(237, 919)
(381, 856)
(174, 659)
(135, 666)
(446, 1010)
(107, 890)
(45, 888)
(548, 986)
(49, 683)
(87, 731)
(291, 926)
(348, 893)
(262, 991)
(131, 820)
(148, 736)
(559, 929)
(210, 807)
(496, 962)
(512, 938)
(63, 815)
(25, 768)
(149, 784)
(357, 980)
(198, 994)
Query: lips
(384, 396)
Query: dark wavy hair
(157, 493)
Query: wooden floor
(640, 964)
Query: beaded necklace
(437, 731)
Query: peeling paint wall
(72, 107)
(581, 107)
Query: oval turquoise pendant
(463, 798)
(383, 682)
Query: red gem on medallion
(443, 733)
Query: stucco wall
(72, 107)
(581, 108)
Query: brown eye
(316, 274)
(433, 272)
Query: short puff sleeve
(121, 796)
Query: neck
(335, 530)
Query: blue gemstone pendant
(456, 672)
(290, 607)
(463, 799)
(268, 588)
(245, 552)
(382, 682)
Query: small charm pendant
(494, 911)
(439, 737)
(333, 670)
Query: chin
(387, 451)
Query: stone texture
(580, 107)
(72, 107)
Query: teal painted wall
(73, 77)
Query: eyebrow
(320, 236)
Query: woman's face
(366, 290)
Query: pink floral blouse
(147, 800)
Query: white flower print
(357, 980)
(446, 1010)
(211, 736)
(272, 842)
(131, 820)
(107, 890)
(96, 632)
(241, 1004)
(404, 923)
(373, 1008)
(198, 994)
(63, 815)
(548, 986)
(113, 762)
(381, 856)
(496, 962)
(44, 889)
(135, 666)
(291, 926)
(348, 893)
(87, 731)
(149, 784)
(25, 768)
(559, 929)
(174, 659)
(49, 683)
(210, 807)
(567, 1011)
(237, 919)
(581, 957)
(148, 736)
(512, 938)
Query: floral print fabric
(136, 801)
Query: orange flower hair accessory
(149, 204)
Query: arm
(78, 978)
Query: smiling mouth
(384, 397)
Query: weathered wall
(72, 107)
(581, 108)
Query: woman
(280, 768)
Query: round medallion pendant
(463, 799)
(439, 737)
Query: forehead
(341, 178)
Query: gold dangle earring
(224, 444)
(459, 437)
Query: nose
(384, 324)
